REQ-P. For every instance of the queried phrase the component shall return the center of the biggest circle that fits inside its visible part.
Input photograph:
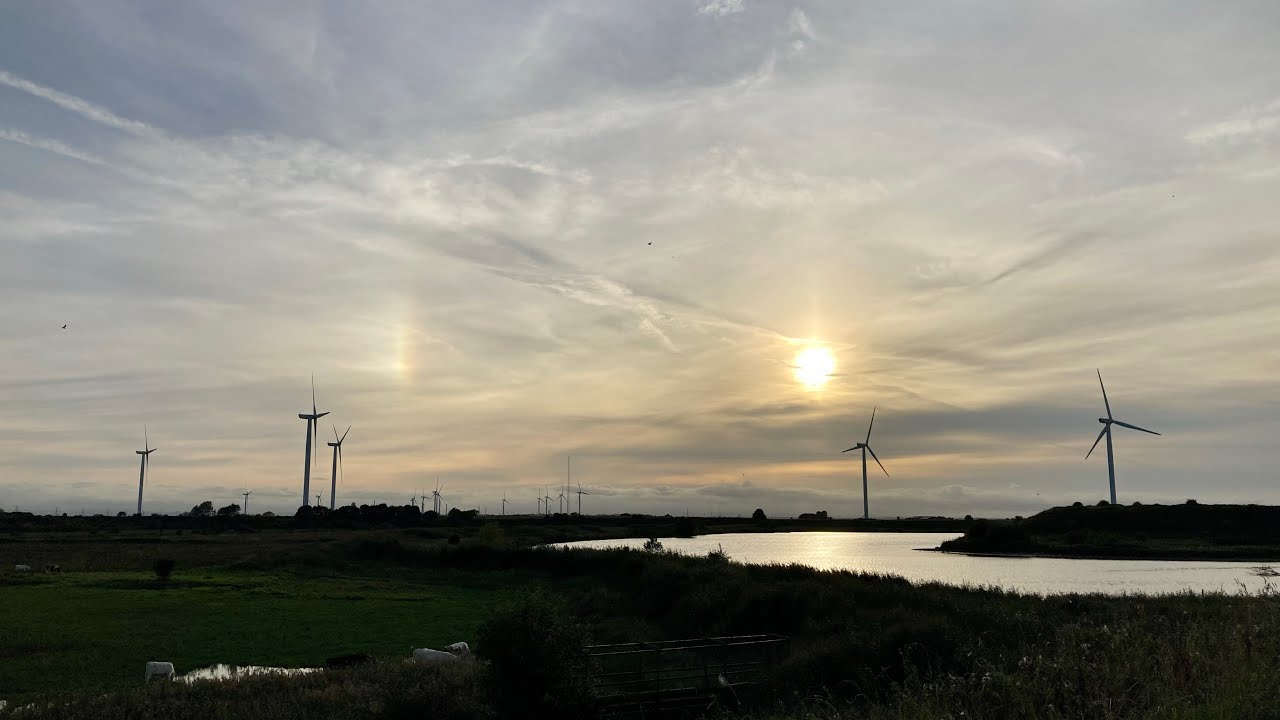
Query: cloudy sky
(503, 233)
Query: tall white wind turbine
(337, 464)
(865, 447)
(312, 432)
(1107, 422)
(145, 460)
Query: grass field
(99, 629)
(860, 646)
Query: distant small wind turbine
(539, 498)
(436, 497)
(318, 500)
(246, 495)
(580, 493)
(313, 429)
(865, 447)
(145, 460)
(1107, 422)
(547, 498)
(337, 461)
(504, 504)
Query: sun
(814, 366)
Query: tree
(232, 509)
(204, 509)
(119, 514)
(758, 515)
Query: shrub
(758, 515)
(653, 545)
(163, 568)
(718, 555)
(538, 660)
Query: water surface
(899, 554)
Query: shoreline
(1263, 560)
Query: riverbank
(1238, 533)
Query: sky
(690, 243)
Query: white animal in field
(159, 670)
(427, 656)
(461, 649)
(22, 568)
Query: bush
(759, 515)
(718, 555)
(653, 545)
(163, 568)
(538, 660)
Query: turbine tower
(337, 458)
(546, 505)
(504, 504)
(246, 495)
(142, 465)
(313, 429)
(436, 497)
(1107, 422)
(580, 493)
(865, 447)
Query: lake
(900, 554)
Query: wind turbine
(581, 492)
(539, 505)
(246, 495)
(547, 504)
(504, 504)
(312, 429)
(337, 458)
(865, 447)
(1107, 422)
(142, 465)
(436, 497)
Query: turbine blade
(873, 455)
(146, 442)
(313, 393)
(871, 425)
(344, 435)
(335, 432)
(1104, 395)
(855, 447)
(1095, 442)
(1134, 427)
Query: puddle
(235, 672)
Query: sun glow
(814, 366)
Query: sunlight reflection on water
(900, 554)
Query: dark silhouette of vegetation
(537, 658)
(1246, 532)
(164, 568)
(229, 510)
(758, 515)
(204, 509)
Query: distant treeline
(555, 527)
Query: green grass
(97, 630)
(860, 646)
